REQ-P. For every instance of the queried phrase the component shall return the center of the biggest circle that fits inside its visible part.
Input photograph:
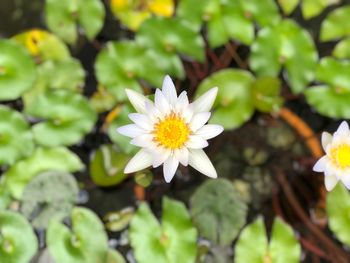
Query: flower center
(340, 156)
(172, 132)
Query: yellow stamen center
(172, 132)
(340, 156)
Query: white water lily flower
(171, 131)
(336, 163)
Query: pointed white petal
(200, 161)
(153, 113)
(343, 130)
(139, 162)
(169, 168)
(326, 139)
(320, 165)
(161, 102)
(137, 100)
(159, 156)
(141, 120)
(187, 114)
(198, 120)
(182, 155)
(144, 140)
(131, 130)
(330, 182)
(182, 102)
(169, 90)
(209, 131)
(206, 101)
(196, 142)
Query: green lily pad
(288, 45)
(171, 35)
(5, 197)
(288, 6)
(85, 242)
(67, 118)
(50, 194)
(342, 49)
(329, 101)
(107, 166)
(44, 45)
(218, 212)
(20, 174)
(17, 70)
(234, 104)
(16, 139)
(120, 64)
(143, 178)
(114, 256)
(64, 16)
(172, 241)
(119, 220)
(253, 247)
(266, 92)
(264, 12)
(18, 242)
(338, 205)
(312, 8)
(336, 24)
(102, 100)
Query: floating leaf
(288, 6)
(68, 117)
(342, 49)
(18, 243)
(312, 8)
(114, 256)
(117, 221)
(144, 178)
(234, 103)
(58, 159)
(338, 205)
(336, 24)
(107, 166)
(120, 64)
(217, 211)
(171, 35)
(172, 241)
(86, 242)
(134, 13)
(5, 197)
(48, 195)
(252, 245)
(17, 70)
(63, 17)
(16, 139)
(43, 44)
(102, 100)
(289, 45)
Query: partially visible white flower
(171, 130)
(336, 163)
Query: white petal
(169, 90)
(187, 114)
(320, 165)
(131, 130)
(330, 182)
(153, 113)
(161, 102)
(182, 102)
(326, 139)
(144, 140)
(345, 178)
(343, 130)
(209, 131)
(139, 162)
(196, 142)
(200, 161)
(198, 120)
(182, 155)
(169, 168)
(141, 120)
(159, 156)
(206, 101)
(137, 100)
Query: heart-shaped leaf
(253, 247)
(114, 256)
(48, 195)
(342, 49)
(17, 70)
(218, 211)
(172, 241)
(42, 159)
(86, 242)
(68, 117)
(18, 243)
(107, 166)
(312, 8)
(64, 16)
(16, 139)
(336, 24)
(288, 6)
(288, 45)
(234, 102)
